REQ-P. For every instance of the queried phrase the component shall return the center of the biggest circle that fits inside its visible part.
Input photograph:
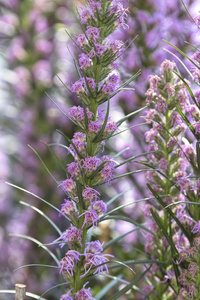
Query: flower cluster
(97, 83)
(173, 160)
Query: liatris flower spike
(99, 81)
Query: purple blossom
(90, 194)
(68, 185)
(110, 127)
(167, 65)
(74, 170)
(163, 164)
(77, 113)
(197, 128)
(196, 56)
(161, 105)
(71, 235)
(85, 14)
(170, 89)
(84, 294)
(90, 217)
(197, 96)
(94, 260)
(99, 206)
(78, 86)
(94, 126)
(192, 290)
(192, 268)
(68, 208)
(196, 228)
(68, 263)
(81, 40)
(93, 33)
(94, 247)
(90, 164)
(154, 80)
(91, 83)
(100, 49)
(108, 88)
(84, 61)
(66, 296)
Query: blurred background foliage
(34, 50)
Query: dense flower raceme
(98, 82)
(176, 160)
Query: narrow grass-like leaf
(36, 265)
(123, 264)
(198, 155)
(182, 54)
(129, 220)
(121, 152)
(170, 212)
(85, 117)
(129, 286)
(61, 145)
(122, 131)
(75, 63)
(60, 108)
(116, 197)
(138, 262)
(168, 238)
(110, 285)
(32, 194)
(189, 13)
(70, 36)
(176, 270)
(45, 166)
(129, 173)
(69, 140)
(31, 295)
(54, 155)
(36, 242)
(129, 115)
(185, 202)
(129, 80)
(133, 157)
(118, 238)
(69, 92)
(44, 215)
(130, 203)
(185, 119)
(55, 286)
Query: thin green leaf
(122, 131)
(129, 286)
(70, 36)
(129, 220)
(61, 145)
(185, 202)
(185, 119)
(188, 88)
(189, 13)
(99, 134)
(70, 92)
(36, 265)
(44, 215)
(69, 140)
(129, 115)
(168, 238)
(118, 238)
(134, 157)
(198, 155)
(116, 197)
(170, 212)
(60, 108)
(121, 152)
(38, 243)
(107, 288)
(45, 166)
(75, 63)
(182, 53)
(138, 262)
(56, 157)
(21, 189)
(176, 269)
(55, 286)
(129, 173)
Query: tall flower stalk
(175, 183)
(98, 83)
